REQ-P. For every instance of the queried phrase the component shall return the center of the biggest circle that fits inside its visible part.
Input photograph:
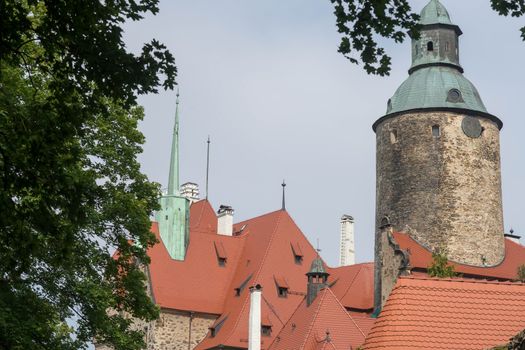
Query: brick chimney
(225, 220)
(254, 322)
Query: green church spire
(173, 182)
(173, 217)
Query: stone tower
(438, 158)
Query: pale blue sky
(264, 79)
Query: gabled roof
(426, 313)
(421, 258)
(264, 252)
(267, 251)
(325, 324)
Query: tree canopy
(362, 22)
(71, 186)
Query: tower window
(436, 131)
(430, 46)
(447, 46)
(393, 136)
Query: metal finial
(284, 198)
(318, 249)
(207, 165)
(177, 101)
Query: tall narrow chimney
(225, 220)
(254, 323)
(190, 190)
(347, 245)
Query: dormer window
(221, 254)
(430, 46)
(266, 331)
(241, 287)
(297, 253)
(217, 326)
(282, 286)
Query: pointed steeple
(173, 181)
(173, 217)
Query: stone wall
(390, 263)
(172, 330)
(445, 191)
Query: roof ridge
(256, 274)
(461, 280)
(346, 312)
(258, 217)
(353, 280)
(310, 327)
(362, 264)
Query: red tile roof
(421, 258)
(325, 324)
(354, 285)
(264, 253)
(426, 313)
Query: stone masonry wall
(444, 191)
(172, 330)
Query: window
(447, 46)
(282, 286)
(436, 131)
(266, 331)
(215, 328)
(430, 46)
(241, 287)
(297, 253)
(221, 254)
(393, 136)
(166, 217)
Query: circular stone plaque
(471, 127)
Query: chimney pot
(225, 220)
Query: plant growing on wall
(440, 266)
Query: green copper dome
(434, 13)
(435, 87)
(436, 80)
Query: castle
(259, 284)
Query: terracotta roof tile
(425, 313)
(308, 326)
(354, 285)
(262, 253)
(421, 258)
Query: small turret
(317, 277)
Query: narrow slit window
(436, 131)
(430, 46)
(447, 46)
(393, 136)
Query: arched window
(430, 46)
(393, 136)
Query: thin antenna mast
(207, 165)
(284, 199)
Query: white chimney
(254, 322)
(225, 220)
(190, 190)
(347, 246)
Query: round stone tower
(438, 158)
